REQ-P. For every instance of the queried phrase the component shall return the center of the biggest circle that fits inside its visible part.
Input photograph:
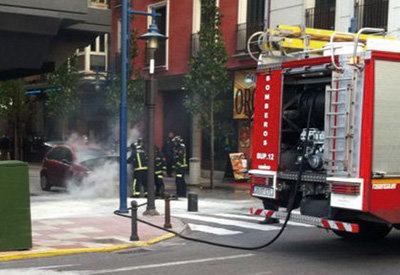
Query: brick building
(181, 21)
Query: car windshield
(87, 154)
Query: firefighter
(160, 168)
(180, 164)
(140, 170)
(131, 176)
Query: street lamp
(153, 36)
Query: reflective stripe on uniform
(139, 160)
(179, 175)
(141, 168)
(140, 165)
(134, 189)
(184, 160)
(160, 176)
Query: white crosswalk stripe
(225, 224)
(212, 229)
(229, 222)
(255, 218)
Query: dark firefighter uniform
(139, 172)
(180, 165)
(160, 168)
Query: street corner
(60, 237)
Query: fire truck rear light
(346, 188)
(257, 180)
(262, 180)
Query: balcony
(321, 18)
(195, 44)
(371, 13)
(243, 32)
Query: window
(255, 13)
(371, 13)
(99, 3)
(102, 43)
(322, 16)
(59, 154)
(119, 36)
(93, 45)
(161, 21)
(251, 18)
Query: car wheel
(44, 183)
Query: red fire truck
(337, 116)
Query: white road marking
(236, 223)
(255, 218)
(170, 264)
(244, 217)
(212, 229)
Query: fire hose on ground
(167, 224)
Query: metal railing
(321, 18)
(371, 14)
(195, 44)
(244, 31)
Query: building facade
(180, 21)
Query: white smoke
(133, 135)
(101, 182)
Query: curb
(61, 252)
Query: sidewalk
(63, 236)
(63, 223)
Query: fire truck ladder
(296, 41)
(340, 110)
(340, 104)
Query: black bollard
(167, 223)
(134, 235)
(192, 202)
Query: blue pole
(123, 110)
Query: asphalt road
(300, 250)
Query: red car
(63, 163)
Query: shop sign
(243, 95)
(239, 166)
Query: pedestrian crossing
(227, 224)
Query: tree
(207, 80)
(63, 99)
(134, 94)
(16, 107)
(135, 91)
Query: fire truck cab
(349, 103)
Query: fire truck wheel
(368, 231)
